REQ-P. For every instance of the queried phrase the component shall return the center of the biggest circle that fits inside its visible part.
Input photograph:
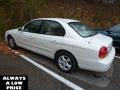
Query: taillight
(103, 52)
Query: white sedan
(69, 42)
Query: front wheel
(66, 62)
(11, 43)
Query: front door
(27, 37)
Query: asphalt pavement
(38, 79)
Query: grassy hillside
(14, 13)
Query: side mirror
(20, 29)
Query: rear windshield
(82, 29)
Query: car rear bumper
(101, 65)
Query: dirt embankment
(4, 49)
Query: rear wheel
(66, 62)
(12, 43)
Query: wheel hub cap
(64, 62)
(11, 43)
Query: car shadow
(94, 78)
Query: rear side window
(52, 28)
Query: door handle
(53, 41)
(57, 42)
(31, 37)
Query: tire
(12, 43)
(66, 62)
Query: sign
(13, 82)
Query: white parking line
(117, 57)
(58, 77)
(15, 52)
(9, 48)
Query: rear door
(50, 37)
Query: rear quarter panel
(83, 51)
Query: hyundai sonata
(69, 42)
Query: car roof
(59, 19)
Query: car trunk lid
(100, 40)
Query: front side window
(33, 26)
(52, 28)
(82, 29)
